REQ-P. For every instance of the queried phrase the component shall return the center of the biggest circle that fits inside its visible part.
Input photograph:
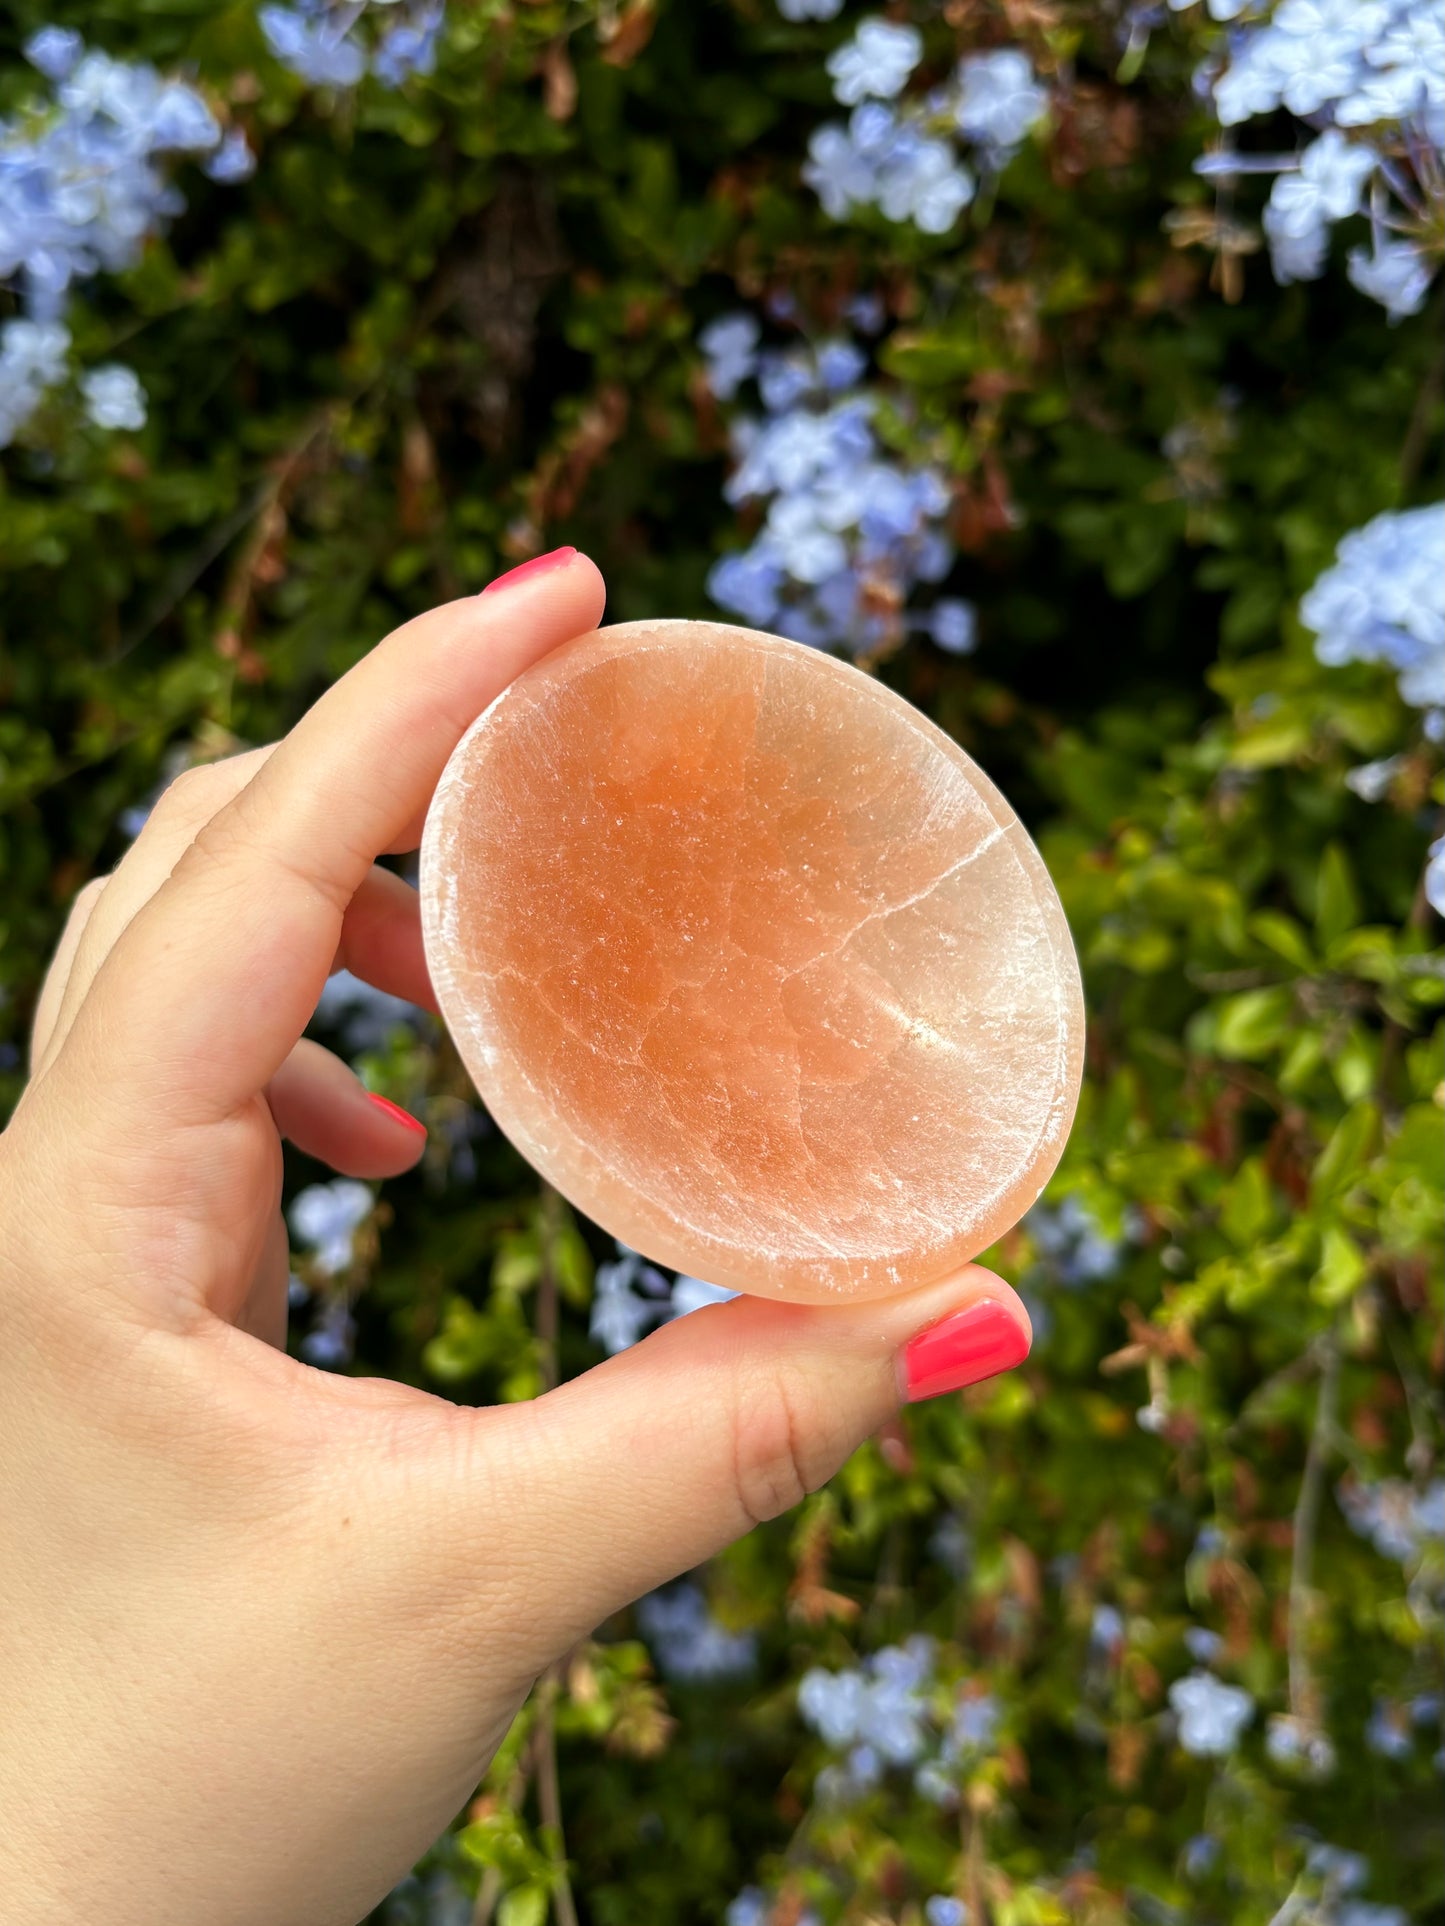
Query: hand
(263, 1627)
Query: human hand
(262, 1627)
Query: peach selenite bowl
(752, 962)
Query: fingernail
(963, 1349)
(395, 1111)
(539, 565)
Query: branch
(490, 1890)
(1303, 1692)
(549, 1796)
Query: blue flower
(79, 187)
(730, 345)
(1069, 1237)
(1435, 877)
(331, 1341)
(114, 397)
(1212, 1716)
(1374, 65)
(840, 364)
(1394, 273)
(1297, 1745)
(632, 1297)
(365, 1018)
(1106, 1630)
(944, 1910)
(876, 61)
(953, 624)
(54, 51)
(749, 584)
(1201, 1856)
(687, 1640)
(318, 52)
(1383, 601)
(408, 47)
(1341, 1871)
(838, 170)
(784, 379)
(1387, 1731)
(996, 100)
(232, 161)
(750, 1908)
(921, 179)
(32, 359)
(326, 1218)
(1203, 1646)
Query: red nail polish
(963, 1349)
(539, 565)
(395, 1111)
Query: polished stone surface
(752, 962)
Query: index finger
(203, 996)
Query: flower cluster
(850, 528)
(321, 45)
(362, 1017)
(1333, 1877)
(631, 1297)
(1073, 1244)
(687, 1641)
(325, 1219)
(32, 360)
(918, 160)
(1368, 76)
(82, 185)
(1383, 600)
(883, 1715)
(753, 1907)
(1397, 1520)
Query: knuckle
(785, 1444)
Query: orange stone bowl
(752, 962)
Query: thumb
(654, 1461)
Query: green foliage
(445, 327)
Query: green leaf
(1342, 1268)
(1337, 902)
(572, 1265)
(1247, 1208)
(517, 1264)
(1283, 935)
(523, 1906)
(1344, 1155)
(1253, 1024)
(462, 1346)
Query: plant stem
(549, 1790)
(1303, 1691)
(549, 1796)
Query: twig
(973, 1862)
(488, 1893)
(549, 1790)
(1303, 1693)
(490, 1890)
(1420, 1453)
(549, 1796)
